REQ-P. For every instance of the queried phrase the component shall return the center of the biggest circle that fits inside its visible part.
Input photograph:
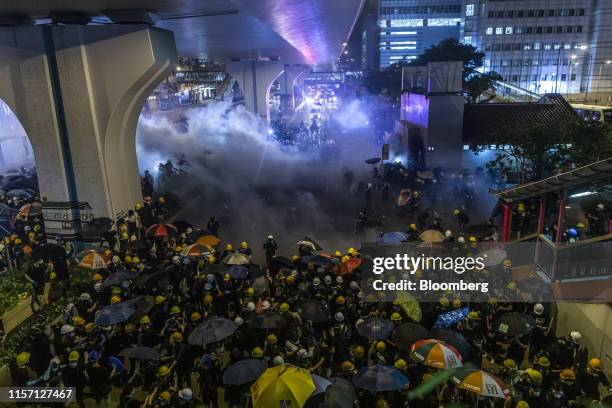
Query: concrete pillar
(78, 94)
(289, 79)
(255, 79)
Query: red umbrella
(29, 210)
(349, 266)
(162, 231)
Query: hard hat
(538, 308)
(316, 282)
(535, 375)
(575, 335)
(186, 394)
(18, 241)
(226, 277)
(145, 320)
(507, 262)
(272, 339)
(94, 356)
(129, 328)
(135, 259)
(148, 199)
(456, 303)
(115, 299)
(595, 363)
(339, 316)
(345, 258)
(239, 320)
(244, 245)
(522, 404)
(278, 360)
(456, 211)
(413, 226)
(474, 315)
(250, 306)
(396, 317)
(97, 277)
(65, 329)
(510, 363)
(208, 299)
(444, 301)
(127, 259)
(521, 207)
(448, 233)
(89, 327)
(338, 253)
(37, 227)
(138, 206)
(381, 346)
(84, 296)
(163, 371)
(339, 280)
(511, 286)
(567, 374)
(327, 279)
(302, 353)
(461, 240)
(175, 310)
(351, 251)
(580, 225)
(195, 316)
(23, 358)
(78, 321)
(270, 237)
(340, 300)
(257, 352)
(295, 258)
(347, 366)
(159, 299)
(250, 291)
(161, 199)
(229, 247)
(73, 356)
(400, 364)
(359, 351)
(290, 279)
(265, 305)
(472, 239)
(572, 232)
(176, 337)
(116, 290)
(543, 361)
(284, 307)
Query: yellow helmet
(196, 316)
(165, 395)
(97, 278)
(175, 310)
(159, 299)
(535, 375)
(127, 259)
(295, 258)
(229, 247)
(272, 339)
(595, 363)
(338, 254)
(510, 363)
(474, 315)
(284, 307)
(176, 337)
(347, 366)
(257, 352)
(161, 200)
(396, 317)
(135, 259)
(78, 321)
(381, 346)
(472, 239)
(456, 211)
(23, 358)
(52, 275)
(444, 301)
(73, 356)
(351, 251)
(290, 279)
(89, 327)
(145, 320)
(543, 361)
(507, 262)
(115, 299)
(521, 207)
(244, 245)
(359, 351)
(512, 286)
(250, 291)
(227, 277)
(567, 374)
(456, 303)
(163, 371)
(522, 404)
(400, 364)
(129, 328)
(18, 241)
(345, 258)
(211, 259)
(412, 226)
(340, 300)
(138, 206)
(208, 299)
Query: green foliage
(589, 141)
(13, 288)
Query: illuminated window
(411, 22)
(402, 42)
(536, 46)
(443, 22)
(403, 32)
(509, 30)
(467, 40)
(489, 30)
(404, 48)
(499, 30)
(469, 10)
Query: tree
(587, 142)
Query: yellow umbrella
(282, 386)
(409, 305)
(431, 235)
(209, 240)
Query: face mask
(73, 365)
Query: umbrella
(407, 333)
(340, 393)
(236, 259)
(195, 234)
(315, 311)
(219, 269)
(113, 314)
(50, 251)
(454, 339)
(349, 266)
(380, 377)
(255, 271)
(431, 235)
(261, 284)
(118, 277)
(152, 280)
(142, 304)
(267, 320)
(238, 271)
(409, 305)
(29, 210)
(209, 240)
(212, 330)
(513, 324)
(5, 209)
(373, 160)
(436, 353)
(493, 257)
(140, 353)
(18, 193)
(92, 259)
(244, 371)
(375, 328)
(393, 237)
(182, 226)
(161, 231)
(450, 318)
(284, 385)
(480, 383)
(309, 242)
(98, 226)
(278, 262)
(320, 260)
(197, 251)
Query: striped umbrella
(480, 382)
(436, 353)
(197, 251)
(236, 259)
(161, 231)
(92, 259)
(29, 210)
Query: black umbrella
(182, 225)
(375, 328)
(267, 320)
(340, 393)
(373, 160)
(513, 324)
(380, 378)
(309, 242)
(315, 311)
(114, 314)
(118, 277)
(255, 271)
(152, 280)
(49, 251)
(212, 330)
(407, 333)
(140, 353)
(278, 262)
(142, 304)
(219, 269)
(244, 371)
(453, 338)
(238, 271)
(320, 260)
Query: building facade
(409, 27)
(545, 46)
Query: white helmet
(270, 237)
(339, 317)
(354, 285)
(461, 240)
(316, 282)
(239, 320)
(98, 286)
(265, 305)
(302, 353)
(278, 360)
(66, 329)
(250, 306)
(339, 279)
(327, 279)
(575, 336)
(85, 296)
(176, 259)
(294, 272)
(116, 259)
(210, 278)
(185, 394)
(189, 230)
(448, 233)
(538, 308)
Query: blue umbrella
(238, 271)
(244, 371)
(114, 314)
(450, 318)
(320, 383)
(380, 378)
(375, 328)
(118, 277)
(393, 237)
(320, 260)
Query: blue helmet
(572, 232)
(94, 356)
